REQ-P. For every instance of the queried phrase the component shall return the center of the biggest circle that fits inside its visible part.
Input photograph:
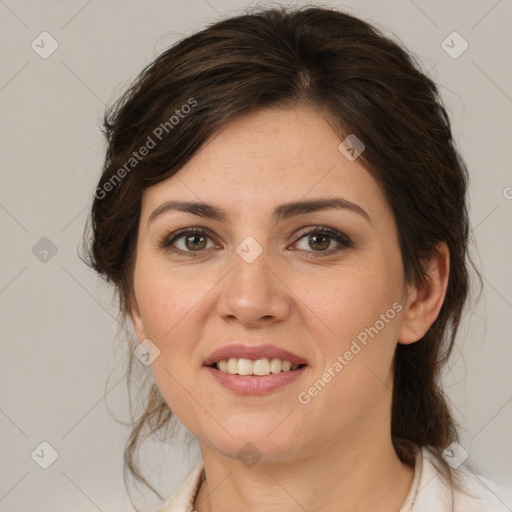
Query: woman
(282, 212)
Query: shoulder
(183, 498)
(473, 493)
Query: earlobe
(424, 301)
(136, 320)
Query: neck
(343, 478)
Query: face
(324, 284)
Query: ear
(136, 320)
(424, 301)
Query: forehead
(266, 158)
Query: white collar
(429, 491)
(408, 505)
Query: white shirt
(429, 491)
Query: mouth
(240, 359)
(257, 367)
(254, 370)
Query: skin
(334, 453)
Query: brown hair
(372, 88)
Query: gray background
(61, 366)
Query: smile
(254, 370)
(260, 367)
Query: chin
(264, 442)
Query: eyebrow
(280, 213)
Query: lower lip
(253, 384)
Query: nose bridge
(253, 291)
(250, 268)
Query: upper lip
(253, 352)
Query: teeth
(275, 365)
(261, 367)
(232, 366)
(245, 367)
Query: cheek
(359, 318)
(168, 307)
(353, 303)
(359, 313)
(166, 298)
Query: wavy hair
(371, 87)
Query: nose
(253, 292)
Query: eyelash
(341, 238)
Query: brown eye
(187, 241)
(320, 240)
(195, 242)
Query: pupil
(315, 237)
(194, 237)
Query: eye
(188, 241)
(194, 241)
(321, 238)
